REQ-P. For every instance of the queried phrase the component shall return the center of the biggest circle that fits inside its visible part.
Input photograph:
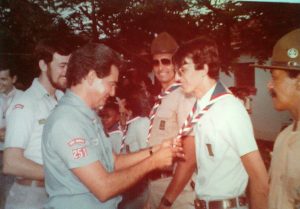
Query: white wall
(267, 122)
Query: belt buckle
(226, 204)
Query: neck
(164, 86)
(8, 91)
(82, 94)
(44, 80)
(204, 87)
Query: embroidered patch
(162, 125)
(209, 149)
(18, 106)
(79, 153)
(42, 121)
(76, 141)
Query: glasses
(163, 61)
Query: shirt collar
(10, 94)
(41, 91)
(72, 99)
(203, 101)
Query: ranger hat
(164, 43)
(286, 53)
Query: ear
(43, 66)
(14, 79)
(91, 76)
(205, 69)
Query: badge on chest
(210, 150)
(162, 125)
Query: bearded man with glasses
(166, 118)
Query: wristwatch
(166, 202)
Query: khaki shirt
(285, 170)
(170, 115)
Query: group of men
(202, 151)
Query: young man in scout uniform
(22, 154)
(81, 169)
(226, 151)
(166, 119)
(284, 88)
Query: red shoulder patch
(79, 153)
(74, 141)
(18, 106)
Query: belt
(30, 182)
(154, 175)
(221, 204)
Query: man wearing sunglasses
(166, 118)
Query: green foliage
(130, 25)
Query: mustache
(272, 93)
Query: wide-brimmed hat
(164, 43)
(286, 53)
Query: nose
(112, 91)
(270, 84)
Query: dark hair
(45, 49)
(8, 65)
(138, 102)
(202, 51)
(92, 56)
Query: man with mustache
(22, 154)
(169, 189)
(284, 88)
(81, 169)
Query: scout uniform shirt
(222, 135)
(170, 115)
(73, 137)
(285, 170)
(6, 103)
(26, 121)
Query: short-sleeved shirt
(285, 170)
(223, 134)
(115, 137)
(26, 121)
(73, 137)
(6, 102)
(136, 136)
(170, 115)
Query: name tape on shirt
(74, 141)
(79, 153)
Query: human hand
(165, 155)
(161, 206)
(2, 134)
(174, 142)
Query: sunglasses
(163, 61)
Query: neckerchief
(153, 112)
(219, 93)
(123, 144)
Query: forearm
(105, 185)
(258, 180)
(130, 159)
(14, 163)
(183, 172)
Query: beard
(58, 84)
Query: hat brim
(272, 67)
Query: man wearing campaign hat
(166, 119)
(284, 88)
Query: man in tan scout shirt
(166, 118)
(284, 88)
